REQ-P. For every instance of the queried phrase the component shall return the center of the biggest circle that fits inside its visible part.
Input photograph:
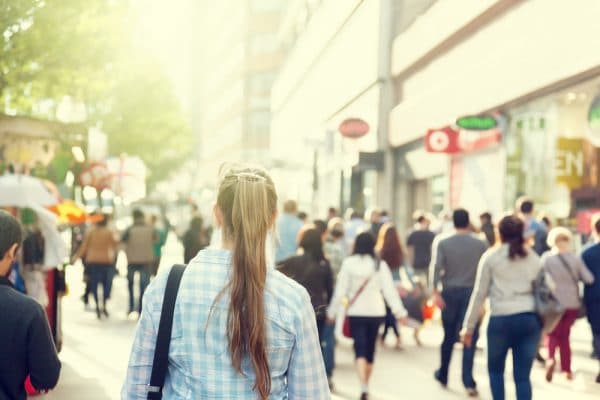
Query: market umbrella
(24, 191)
(69, 212)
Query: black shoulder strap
(163, 338)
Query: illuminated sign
(354, 128)
(477, 122)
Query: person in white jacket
(368, 281)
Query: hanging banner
(569, 162)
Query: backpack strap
(163, 338)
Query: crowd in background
(360, 267)
(364, 271)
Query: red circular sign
(96, 175)
(354, 128)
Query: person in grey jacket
(505, 276)
(566, 270)
(455, 268)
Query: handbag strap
(160, 363)
(570, 271)
(364, 285)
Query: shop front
(552, 153)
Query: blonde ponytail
(248, 202)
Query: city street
(95, 355)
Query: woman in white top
(367, 313)
(505, 275)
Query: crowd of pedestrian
(380, 280)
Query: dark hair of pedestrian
(597, 224)
(312, 245)
(388, 246)
(302, 215)
(196, 223)
(364, 244)
(486, 215)
(320, 225)
(460, 217)
(525, 205)
(11, 232)
(247, 201)
(511, 233)
(356, 215)
(104, 221)
(138, 214)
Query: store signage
(594, 120)
(96, 175)
(353, 128)
(477, 122)
(473, 140)
(569, 162)
(443, 140)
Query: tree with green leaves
(82, 49)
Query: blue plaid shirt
(199, 360)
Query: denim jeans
(520, 333)
(100, 274)
(328, 348)
(457, 302)
(144, 271)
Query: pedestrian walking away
(313, 272)
(368, 281)
(505, 276)
(139, 242)
(194, 239)
(566, 270)
(288, 227)
(27, 351)
(455, 267)
(161, 236)
(591, 293)
(99, 251)
(389, 249)
(487, 228)
(418, 245)
(241, 330)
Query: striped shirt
(199, 361)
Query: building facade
(337, 69)
(236, 61)
(529, 64)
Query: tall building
(236, 61)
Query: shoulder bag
(346, 331)
(160, 363)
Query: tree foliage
(50, 49)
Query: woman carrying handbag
(366, 281)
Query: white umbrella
(24, 191)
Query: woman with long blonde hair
(241, 330)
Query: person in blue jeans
(455, 267)
(505, 276)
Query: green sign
(477, 122)
(594, 114)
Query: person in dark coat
(194, 239)
(591, 294)
(312, 270)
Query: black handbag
(160, 363)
